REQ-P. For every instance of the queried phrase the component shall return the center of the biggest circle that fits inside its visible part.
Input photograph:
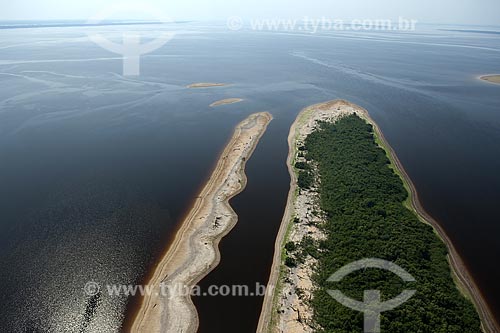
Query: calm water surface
(97, 169)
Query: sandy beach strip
(194, 251)
(304, 124)
(491, 78)
(206, 85)
(226, 101)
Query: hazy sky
(428, 11)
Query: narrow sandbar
(226, 101)
(194, 251)
(491, 78)
(206, 85)
(272, 320)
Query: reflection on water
(90, 311)
(96, 169)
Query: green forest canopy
(362, 198)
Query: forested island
(350, 202)
(363, 199)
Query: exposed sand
(491, 78)
(194, 251)
(206, 85)
(283, 312)
(226, 101)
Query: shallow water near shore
(98, 169)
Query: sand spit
(491, 78)
(283, 312)
(206, 85)
(194, 251)
(226, 101)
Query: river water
(98, 169)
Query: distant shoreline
(194, 251)
(462, 276)
(70, 24)
(491, 78)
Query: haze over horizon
(479, 12)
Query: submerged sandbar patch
(491, 78)
(206, 85)
(226, 101)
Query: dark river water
(97, 169)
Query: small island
(491, 78)
(206, 85)
(226, 101)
